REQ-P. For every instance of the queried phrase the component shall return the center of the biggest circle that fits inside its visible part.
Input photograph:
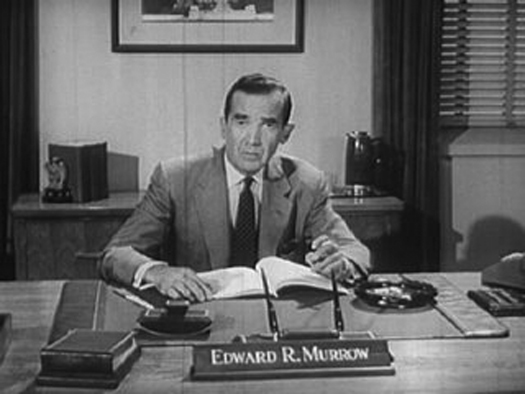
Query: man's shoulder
(294, 167)
(189, 171)
(299, 172)
(188, 164)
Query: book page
(233, 282)
(283, 273)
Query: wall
(157, 106)
(483, 187)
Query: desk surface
(422, 366)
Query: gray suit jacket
(185, 210)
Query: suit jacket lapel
(213, 210)
(275, 211)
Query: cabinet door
(64, 248)
(50, 246)
(96, 234)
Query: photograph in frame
(207, 25)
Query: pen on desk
(338, 316)
(132, 298)
(146, 286)
(272, 316)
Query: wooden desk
(60, 241)
(422, 366)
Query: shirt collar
(234, 177)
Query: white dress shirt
(234, 182)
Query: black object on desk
(500, 301)
(403, 294)
(270, 309)
(165, 316)
(504, 294)
(338, 315)
(160, 322)
(151, 298)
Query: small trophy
(57, 191)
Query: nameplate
(291, 359)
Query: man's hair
(259, 84)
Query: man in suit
(199, 206)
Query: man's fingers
(199, 291)
(329, 263)
(338, 264)
(197, 286)
(181, 290)
(325, 249)
(310, 259)
(180, 283)
(316, 243)
(172, 292)
(206, 289)
(346, 270)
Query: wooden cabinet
(376, 221)
(62, 241)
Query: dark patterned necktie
(244, 242)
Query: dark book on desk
(86, 168)
(88, 358)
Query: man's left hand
(326, 257)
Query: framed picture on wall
(207, 26)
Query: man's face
(254, 129)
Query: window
(483, 63)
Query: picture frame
(213, 26)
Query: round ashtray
(396, 294)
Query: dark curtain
(406, 72)
(18, 121)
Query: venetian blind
(483, 63)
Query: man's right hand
(178, 282)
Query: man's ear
(286, 132)
(223, 127)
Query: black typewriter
(503, 291)
(500, 301)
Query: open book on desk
(234, 282)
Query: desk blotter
(92, 304)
